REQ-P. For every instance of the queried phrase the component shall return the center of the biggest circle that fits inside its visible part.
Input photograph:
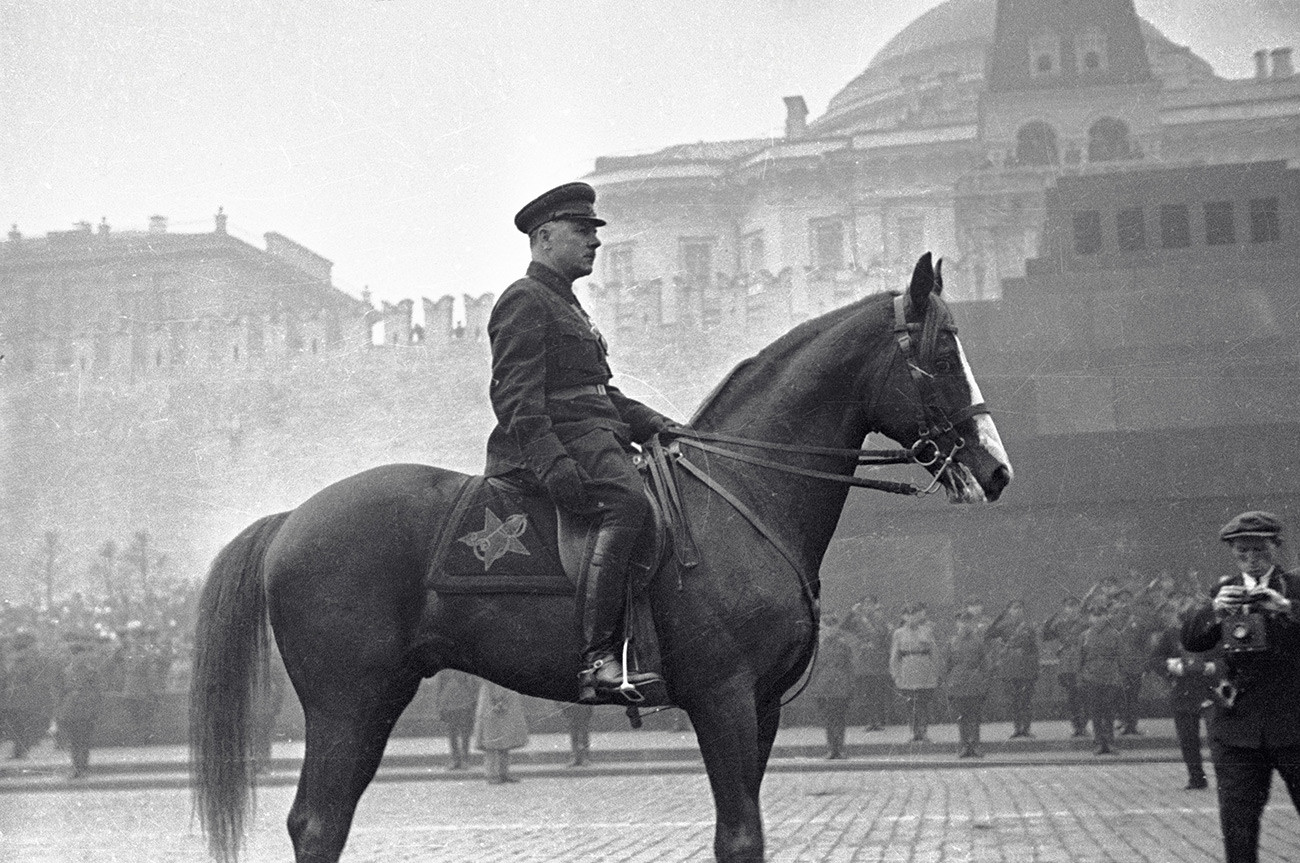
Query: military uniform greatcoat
(544, 347)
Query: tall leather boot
(602, 595)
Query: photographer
(1256, 724)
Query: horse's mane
(777, 354)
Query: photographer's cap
(1254, 523)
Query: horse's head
(933, 403)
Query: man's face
(1254, 554)
(571, 247)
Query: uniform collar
(553, 280)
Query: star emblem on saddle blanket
(497, 537)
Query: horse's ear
(938, 276)
(918, 293)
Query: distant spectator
(832, 674)
(871, 642)
(578, 719)
(455, 695)
(1191, 677)
(499, 726)
(914, 666)
(1066, 627)
(267, 703)
(29, 695)
(81, 685)
(1136, 624)
(968, 682)
(1017, 664)
(1100, 675)
(143, 666)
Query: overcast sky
(398, 137)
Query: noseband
(933, 421)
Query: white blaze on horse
(764, 470)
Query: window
(1090, 52)
(827, 237)
(620, 266)
(1087, 232)
(1264, 226)
(1036, 144)
(696, 261)
(1108, 140)
(1130, 231)
(1044, 53)
(1219, 229)
(753, 253)
(1175, 230)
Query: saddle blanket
(498, 539)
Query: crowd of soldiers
(1101, 647)
(62, 664)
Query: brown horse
(341, 578)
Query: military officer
(560, 423)
(1255, 728)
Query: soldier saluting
(562, 425)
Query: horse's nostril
(999, 480)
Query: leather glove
(566, 482)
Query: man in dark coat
(871, 662)
(561, 425)
(829, 683)
(80, 689)
(29, 696)
(1100, 676)
(1255, 728)
(1017, 664)
(1066, 627)
(1191, 678)
(968, 682)
(455, 695)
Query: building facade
(947, 141)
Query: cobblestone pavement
(1122, 812)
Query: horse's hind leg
(345, 742)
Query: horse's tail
(230, 661)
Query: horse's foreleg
(769, 720)
(345, 742)
(728, 730)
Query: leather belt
(578, 390)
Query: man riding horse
(561, 425)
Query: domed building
(947, 141)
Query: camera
(1244, 633)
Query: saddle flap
(575, 533)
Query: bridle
(934, 422)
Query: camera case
(1244, 633)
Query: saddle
(505, 537)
